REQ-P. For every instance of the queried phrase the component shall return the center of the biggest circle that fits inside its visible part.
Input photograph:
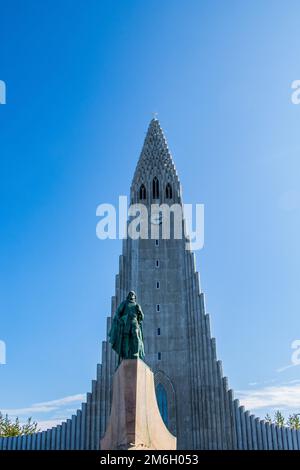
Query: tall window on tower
(155, 188)
(168, 191)
(142, 192)
(162, 401)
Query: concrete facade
(200, 408)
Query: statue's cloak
(117, 329)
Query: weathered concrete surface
(135, 421)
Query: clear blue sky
(83, 78)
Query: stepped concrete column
(135, 422)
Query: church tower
(193, 396)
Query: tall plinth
(135, 422)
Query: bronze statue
(126, 333)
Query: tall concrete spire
(155, 162)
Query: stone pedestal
(135, 421)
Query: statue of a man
(126, 333)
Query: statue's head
(131, 296)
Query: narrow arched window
(155, 188)
(142, 192)
(162, 401)
(168, 191)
